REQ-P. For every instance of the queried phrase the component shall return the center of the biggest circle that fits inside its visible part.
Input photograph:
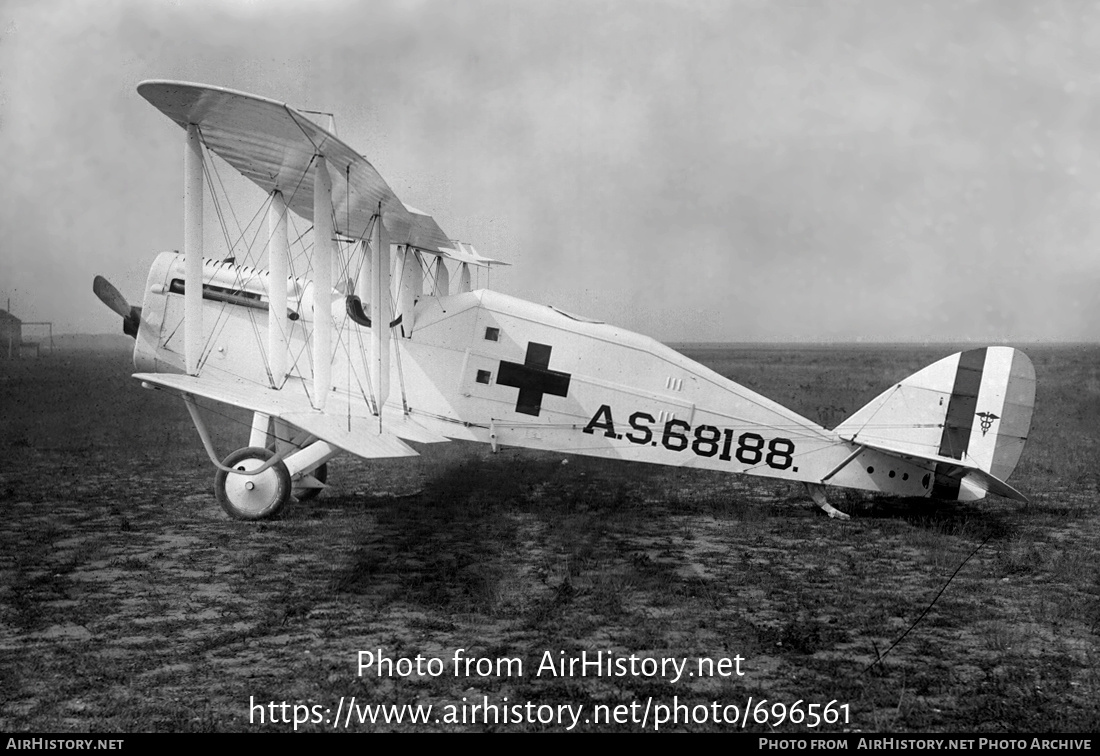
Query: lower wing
(358, 432)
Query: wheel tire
(270, 489)
(305, 494)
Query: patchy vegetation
(128, 601)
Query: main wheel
(305, 494)
(252, 497)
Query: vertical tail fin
(973, 406)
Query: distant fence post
(48, 324)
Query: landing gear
(307, 492)
(252, 497)
(307, 485)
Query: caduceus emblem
(987, 421)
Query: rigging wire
(222, 317)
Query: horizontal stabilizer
(951, 468)
(996, 485)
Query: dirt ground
(130, 602)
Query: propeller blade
(110, 296)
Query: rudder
(973, 406)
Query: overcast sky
(727, 171)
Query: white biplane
(356, 354)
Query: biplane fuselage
(484, 366)
(380, 360)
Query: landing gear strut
(307, 492)
(271, 479)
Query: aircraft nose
(131, 324)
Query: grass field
(128, 601)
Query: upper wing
(466, 253)
(273, 145)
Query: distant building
(11, 334)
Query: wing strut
(410, 287)
(322, 282)
(278, 247)
(379, 299)
(192, 249)
(363, 277)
